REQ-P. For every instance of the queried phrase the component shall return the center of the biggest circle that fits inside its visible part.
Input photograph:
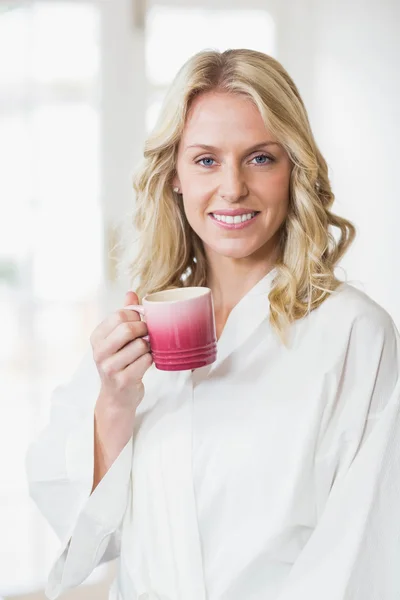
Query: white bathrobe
(273, 474)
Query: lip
(231, 226)
(233, 212)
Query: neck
(230, 279)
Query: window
(50, 244)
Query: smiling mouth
(235, 219)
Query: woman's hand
(122, 357)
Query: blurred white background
(80, 85)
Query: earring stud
(176, 190)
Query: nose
(232, 185)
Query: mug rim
(203, 291)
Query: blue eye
(207, 158)
(263, 156)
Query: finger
(109, 324)
(138, 368)
(126, 356)
(133, 374)
(131, 298)
(121, 336)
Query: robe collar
(244, 318)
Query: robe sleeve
(354, 551)
(59, 466)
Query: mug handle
(139, 309)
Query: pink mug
(181, 327)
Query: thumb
(131, 298)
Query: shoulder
(348, 320)
(350, 308)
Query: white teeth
(236, 219)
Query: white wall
(344, 58)
(358, 121)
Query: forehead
(221, 115)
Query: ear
(175, 181)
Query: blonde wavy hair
(167, 253)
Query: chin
(236, 251)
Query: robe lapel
(177, 481)
(174, 482)
(244, 319)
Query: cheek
(276, 191)
(195, 202)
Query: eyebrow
(252, 149)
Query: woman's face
(236, 192)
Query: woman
(272, 474)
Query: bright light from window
(174, 34)
(15, 185)
(50, 244)
(14, 42)
(70, 30)
(66, 154)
